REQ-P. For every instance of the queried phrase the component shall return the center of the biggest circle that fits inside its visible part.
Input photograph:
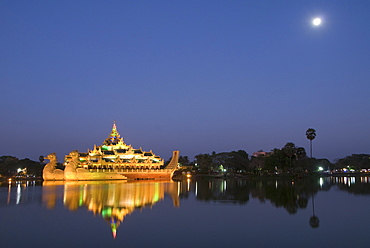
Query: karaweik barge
(113, 160)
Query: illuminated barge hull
(85, 175)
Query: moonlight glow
(316, 21)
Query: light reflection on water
(176, 210)
(113, 201)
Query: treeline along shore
(288, 160)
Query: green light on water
(106, 212)
(156, 193)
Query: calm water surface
(315, 212)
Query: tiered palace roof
(114, 153)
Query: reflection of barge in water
(112, 200)
(113, 160)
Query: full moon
(316, 21)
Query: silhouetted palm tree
(311, 134)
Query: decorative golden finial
(114, 137)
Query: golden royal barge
(113, 160)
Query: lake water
(313, 212)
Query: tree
(290, 150)
(184, 161)
(311, 135)
(9, 166)
(290, 158)
(33, 168)
(257, 164)
(355, 161)
(238, 160)
(234, 160)
(301, 153)
(278, 160)
(204, 162)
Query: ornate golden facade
(113, 160)
(115, 154)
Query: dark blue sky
(198, 76)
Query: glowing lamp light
(321, 169)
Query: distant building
(261, 153)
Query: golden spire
(114, 133)
(114, 137)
